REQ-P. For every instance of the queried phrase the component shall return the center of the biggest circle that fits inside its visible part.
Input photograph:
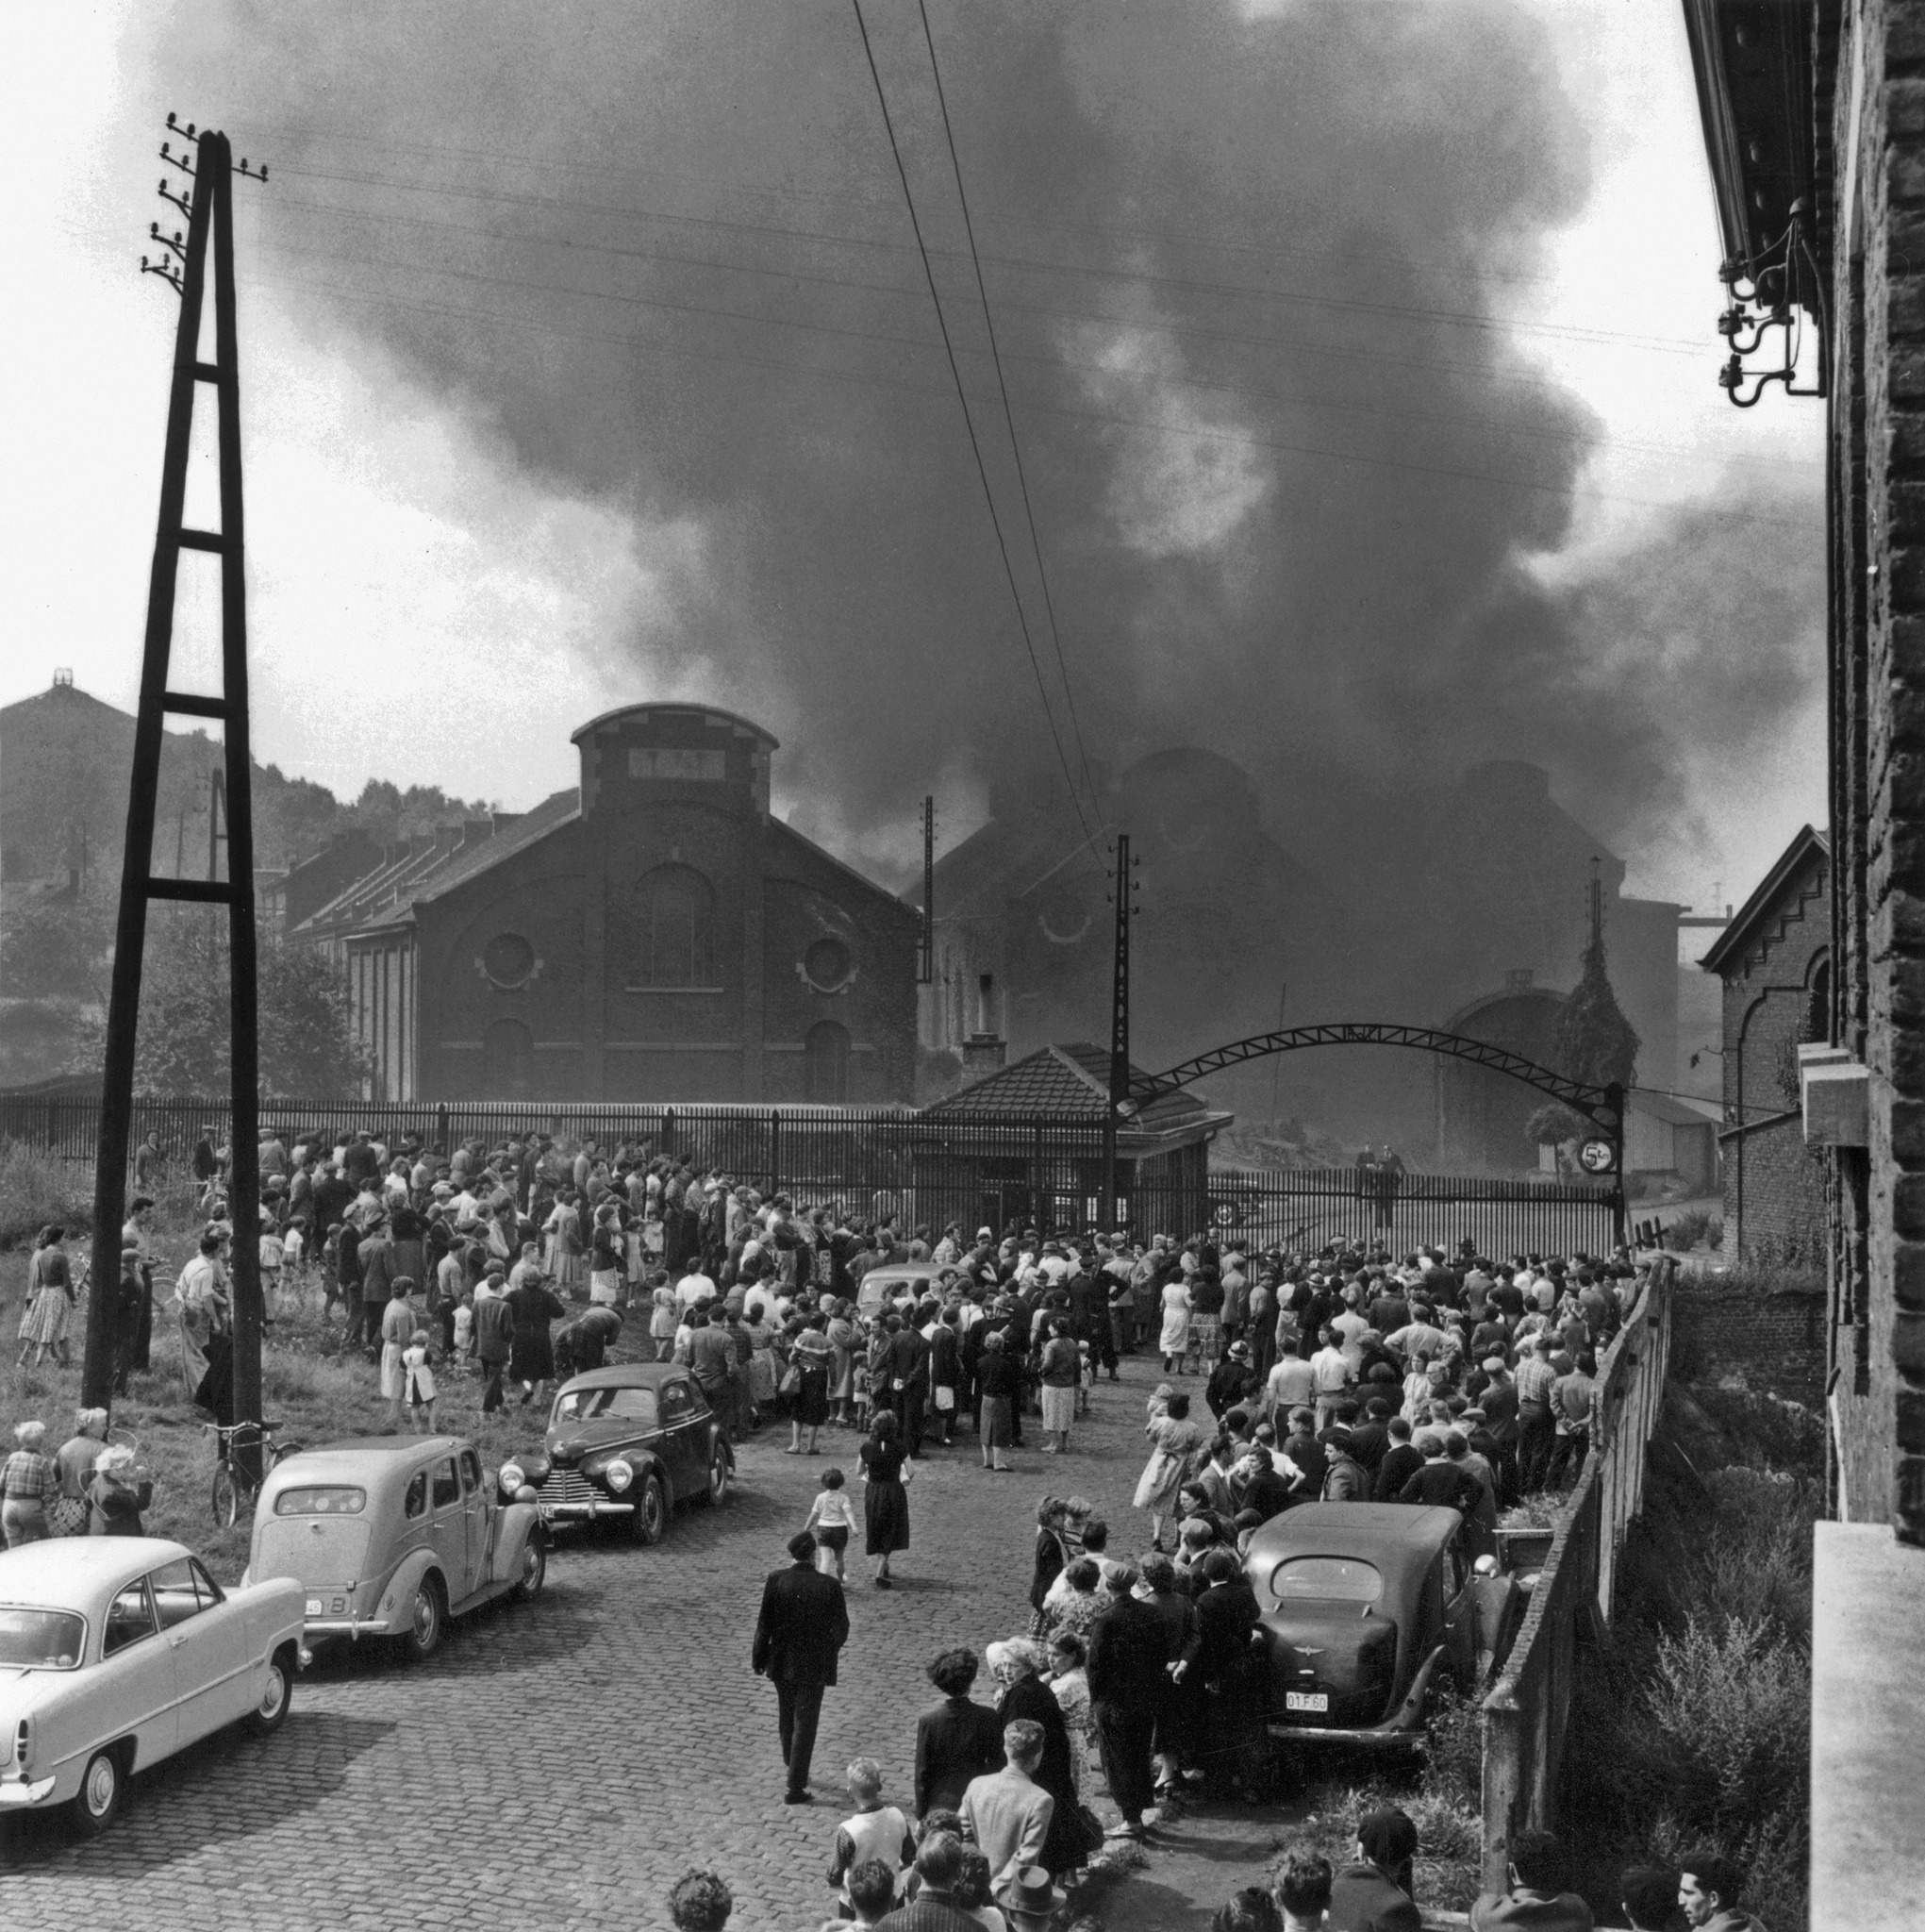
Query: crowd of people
(1288, 1377)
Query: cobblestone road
(560, 1764)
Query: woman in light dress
(1175, 1443)
(1174, 1341)
(1070, 1681)
(50, 1300)
(563, 1262)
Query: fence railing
(1307, 1206)
(1528, 1710)
(990, 1171)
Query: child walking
(417, 1384)
(832, 1516)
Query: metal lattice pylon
(207, 161)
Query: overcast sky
(593, 363)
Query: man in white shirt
(1292, 1383)
(1330, 1370)
(693, 1287)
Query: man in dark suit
(1129, 1658)
(804, 1622)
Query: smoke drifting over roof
(1246, 276)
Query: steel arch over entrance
(1603, 1104)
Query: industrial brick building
(1774, 960)
(656, 934)
(1464, 906)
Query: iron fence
(1307, 1208)
(931, 1169)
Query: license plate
(314, 1607)
(1307, 1700)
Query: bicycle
(232, 1485)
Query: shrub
(36, 1188)
(1699, 1227)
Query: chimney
(985, 1051)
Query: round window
(507, 958)
(826, 962)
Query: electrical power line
(1592, 337)
(969, 423)
(494, 318)
(1009, 419)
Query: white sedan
(116, 1652)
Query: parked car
(391, 1535)
(626, 1445)
(1364, 1606)
(895, 1282)
(120, 1651)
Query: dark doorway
(825, 1064)
(507, 1061)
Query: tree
(307, 1048)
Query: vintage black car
(1364, 1607)
(624, 1444)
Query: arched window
(825, 1064)
(675, 929)
(507, 1061)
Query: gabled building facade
(656, 934)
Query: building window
(509, 959)
(677, 937)
(699, 767)
(825, 1064)
(827, 965)
(507, 1061)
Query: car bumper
(16, 1792)
(319, 1630)
(582, 1512)
(1378, 1737)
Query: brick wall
(1771, 1334)
(1877, 122)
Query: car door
(208, 1639)
(685, 1437)
(448, 1527)
(134, 1683)
(475, 1514)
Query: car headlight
(513, 1476)
(619, 1474)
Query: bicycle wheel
(230, 1493)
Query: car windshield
(594, 1405)
(330, 1499)
(1331, 1579)
(39, 1639)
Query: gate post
(1613, 1101)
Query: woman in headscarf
(114, 1497)
(29, 1481)
(844, 1340)
(1018, 1666)
(50, 1300)
(76, 1460)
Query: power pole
(207, 198)
(1118, 1029)
(926, 974)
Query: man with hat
(1029, 1901)
(1231, 1381)
(803, 1623)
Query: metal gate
(1310, 1207)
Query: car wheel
(533, 1568)
(716, 1489)
(422, 1636)
(225, 1497)
(101, 1789)
(270, 1711)
(651, 1518)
